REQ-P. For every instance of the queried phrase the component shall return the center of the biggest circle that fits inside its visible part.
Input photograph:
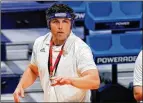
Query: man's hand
(19, 91)
(60, 81)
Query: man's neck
(58, 42)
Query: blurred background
(113, 30)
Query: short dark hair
(59, 8)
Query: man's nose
(60, 25)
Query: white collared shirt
(138, 70)
(76, 59)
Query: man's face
(60, 28)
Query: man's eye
(55, 21)
(65, 21)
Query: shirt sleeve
(138, 71)
(85, 59)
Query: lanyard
(50, 62)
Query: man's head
(60, 19)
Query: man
(138, 91)
(63, 61)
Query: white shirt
(138, 70)
(76, 59)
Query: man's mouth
(60, 32)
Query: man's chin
(61, 39)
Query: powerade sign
(115, 59)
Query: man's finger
(54, 83)
(62, 80)
(58, 79)
(22, 93)
(16, 98)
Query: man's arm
(138, 94)
(29, 76)
(88, 80)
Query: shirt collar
(49, 36)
